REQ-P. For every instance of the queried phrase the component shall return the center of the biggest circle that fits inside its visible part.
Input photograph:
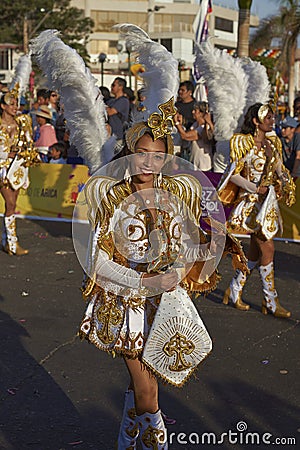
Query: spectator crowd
(193, 138)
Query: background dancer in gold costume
(16, 154)
(257, 172)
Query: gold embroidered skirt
(116, 325)
(253, 215)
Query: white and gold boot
(129, 428)
(271, 302)
(234, 292)
(153, 433)
(12, 246)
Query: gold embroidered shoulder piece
(25, 123)
(188, 189)
(276, 143)
(284, 184)
(103, 195)
(288, 187)
(240, 145)
(4, 139)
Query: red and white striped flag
(200, 25)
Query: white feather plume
(259, 86)
(22, 74)
(84, 107)
(161, 75)
(227, 85)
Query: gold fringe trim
(165, 380)
(193, 287)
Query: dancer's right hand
(163, 281)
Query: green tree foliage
(40, 15)
(290, 20)
(268, 29)
(286, 27)
(244, 4)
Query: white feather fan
(84, 107)
(161, 75)
(227, 85)
(258, 86)
(22, 74)
(234, 84)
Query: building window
(167, 43)
(104, 20)
(223, 24)
(4, 59)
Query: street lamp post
(102, 58)
(181, 64)
(128, 50)
(119, 48)
(25, 35)
(152, 8)
(150, 16)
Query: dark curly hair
(252, 113)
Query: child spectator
(57, 153)
(47, 135)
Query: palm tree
(286, 26)
(290, 18)
(269, 29)
(243, 27)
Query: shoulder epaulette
(240, 145)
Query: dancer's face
(12, 108)
(268, 123)
(149, 158)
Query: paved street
(60, 393)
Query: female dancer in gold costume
(257, 171)
(145, 235)
(16, 154)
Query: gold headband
(158, 125)
(163, 124)
(12, 94)
(264, 109)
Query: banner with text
(54, 189)
(52, 192)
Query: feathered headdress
(227, 84)
(160, 77)
(234, 84)
(20, 79)
(161, 82)
(258, 85)
(84, 107)
(22, 74)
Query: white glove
(243, 183)
(112, 271)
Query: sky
(262, 8)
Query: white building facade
(170, 22)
